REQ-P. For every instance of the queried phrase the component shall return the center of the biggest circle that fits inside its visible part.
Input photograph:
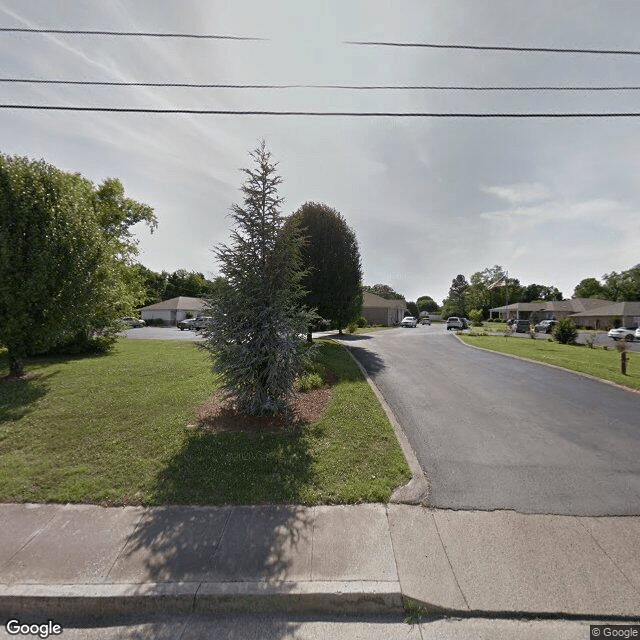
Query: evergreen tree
(331, 259)
(255, 337)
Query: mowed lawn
(114, 429)
(597, 362)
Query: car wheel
(629, 338)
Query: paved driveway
(494, 432)
(162, 333)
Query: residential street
(494, 432)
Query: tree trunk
(16, 366)
(623, 363)
(339, 332)
(309, 337)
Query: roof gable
(181, 303)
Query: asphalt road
(494, 432)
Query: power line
(75, 32)
(366, 87)
(428, 45)
(364, 114)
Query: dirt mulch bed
(220, 415)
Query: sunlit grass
(114, 429)
(598, 362)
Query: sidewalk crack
(455, 577)
(33, 535)
(124, 546)
(613, 562)
(224, 530)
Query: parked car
(201, 322)
(408, 321)
(134, 323)
(546, 326)
(426, 321)
(623, 333)
(187, 323)
(453, 322)
(521, 326)
(638, 333)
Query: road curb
(106, 600)
(418, 489)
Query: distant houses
(173, 310)
(378, 310)
(584, 312)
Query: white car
(623, 333)
(409, 321)
(638, 333)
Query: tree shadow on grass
(18, 396)
(239, 468)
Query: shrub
(565, 332)
(475, 315)
(617, 323)
(362, 322)
(309, 381)
(352, 327)
(155, 322)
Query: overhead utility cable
(362, 114)
(367, 87)
(428, 45)
(78, 32)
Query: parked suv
(521, 326)
(201, 322)
(453, 322)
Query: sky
(551, 200)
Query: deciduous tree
(331, 258)
(65, 257)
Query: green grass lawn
(598, 362)
(114, 429)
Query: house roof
(372, 300)
(612, 309)
(573, 305)
(181, 303)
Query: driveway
(161, 333)
(494, 432)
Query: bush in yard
(257, 316)
(565, 332)
(362, 322)
(475, 315)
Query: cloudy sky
(552, 200)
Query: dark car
(187, 323)
(521, 326)
(546, 326)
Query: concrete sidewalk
(61, 561)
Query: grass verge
(113, 429)
(600, 363)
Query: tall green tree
(427, 303)
(384, 291)
(455, 304)
(257, 318)
(623, 286)
(331, 258)
(186, 283)
(589, 288)
(65, 257)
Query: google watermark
(44, 630)
(615, 631)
